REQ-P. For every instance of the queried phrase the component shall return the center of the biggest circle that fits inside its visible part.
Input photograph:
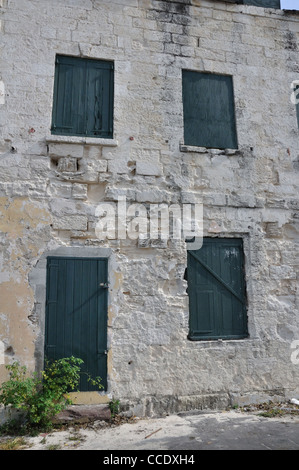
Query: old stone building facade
(167, 69)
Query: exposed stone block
(70, 222)
(115, 192)
(68, 164)
(148, 168)
(118, 166)
(282, 272)
(273, 230)
(66, 150)
(152, 195)
(60, 189)
(79, 191)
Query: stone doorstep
(83, 414)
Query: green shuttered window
(257, 3)
(263, 3)
(83, 97)
(216, 288)
(209, 110)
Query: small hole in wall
(132, 167)
(54, 163)
(9, 351)
(130, 362)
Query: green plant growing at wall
(114, 406)
(40, 399)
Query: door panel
(76, 314)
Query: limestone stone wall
(51, 186)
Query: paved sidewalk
(192, 431)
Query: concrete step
(83, 414)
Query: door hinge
(104, 285)
(102, 351)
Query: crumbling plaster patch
(22, 226)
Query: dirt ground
(262, 427)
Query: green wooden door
(76, 314)
(216, 287)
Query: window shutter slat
(62, 104)
(69, 108)
(94, 101)
(100, 100)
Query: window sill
(217, 339)
(191, 148)
(62, 139)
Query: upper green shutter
(216, 288)
(99, 98)
(83, 97)
(263, 3)
(209, 114)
